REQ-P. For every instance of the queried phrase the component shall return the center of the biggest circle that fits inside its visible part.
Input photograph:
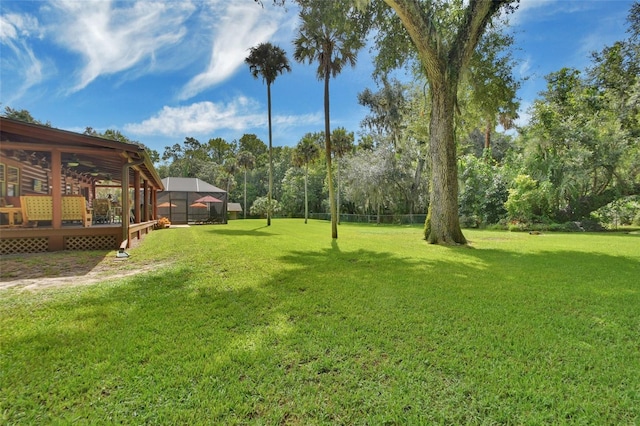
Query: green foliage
(577, 145)
(262, 206)
(623, 211)
(388, 107)
(308, 149)
(483, 193)
(487, 94)
(267, 61)
(365, 175)
(116, 135)
(583, 137)
(331, 34)
(251, 143)
(22, 115)
(218, 150)
(528, 200)
(292, 196)
(341, 142)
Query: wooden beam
(56, 193)
(136, 195)
(125, 203)
(146, 201)
(39, 147)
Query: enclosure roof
(234, 207)
(189, 185)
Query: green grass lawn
(279, 325)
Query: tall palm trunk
(270, 158)
(245, 193)
(442, 224)
(327, 143)
(338, 192)
(306, 199)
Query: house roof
(189, 185)
(234, 207)
(94, 154)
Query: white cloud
(112, 37)
(239, 25)
(209, 37)
(524, 67)
(15, 25)
(205, 118)
(15, 31)
(540, 10)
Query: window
(13, 181)
(3, 181)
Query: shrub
(483, 192)
(528, 200)
(471, 221)
(260, 207)
(623, 211)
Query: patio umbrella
(208, 199)
(198, 205)
(167, 204)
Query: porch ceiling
(97, 158)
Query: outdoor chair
(102, 211)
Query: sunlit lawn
(280, 325)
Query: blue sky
(163, 71)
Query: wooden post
(136, 195)
(125, 203)
(146, 202)
(56, 242)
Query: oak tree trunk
(442, 225)
(444, 56)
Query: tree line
(577, 160)
(440, 144)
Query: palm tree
(305, 153)
(327, 35)
(268, 61)
(247, 161)
(230, 168)
(342, 143)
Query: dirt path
(62, 269)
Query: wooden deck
(70, 237)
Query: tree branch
(477, 16)
(419, 25)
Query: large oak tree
(445, 35)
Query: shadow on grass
(256, 232)
(339, 336)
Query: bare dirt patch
(47, 270)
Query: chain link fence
(396, 219)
